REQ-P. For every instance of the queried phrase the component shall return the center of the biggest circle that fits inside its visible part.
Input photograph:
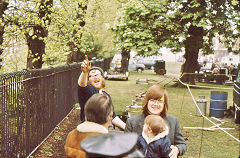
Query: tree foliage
(3, 7)
(75, 31)
(29, 20)
(100, 17)
(67, 35)
(192, 24)
(66, 31)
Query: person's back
(231, 67)
(98, 112)
(72, 149)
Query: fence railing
(33, 102)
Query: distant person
(234, 70)
(198, 67)
(230, 68)
(154, 141)
(204, 63)
(98, 112)
(91, 81)
(112, 145)
(216, 69)
(225, 66)
(155, 102)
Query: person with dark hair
(91, 81)
(156, 103)
(198, 67)
(99, 112)
(111, 145)
(154, 141)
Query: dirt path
(53, 147)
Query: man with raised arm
(91, 81)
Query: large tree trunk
(36, 48)
(35, 42)
(192, 45)
(3, 7)
(76, 55)
(125, 60)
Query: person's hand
(174, 152)
(86, 65)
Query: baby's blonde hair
(155, 123)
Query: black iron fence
(33, 103)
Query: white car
(133, 65)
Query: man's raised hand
(86, 65)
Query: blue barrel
(218, 104)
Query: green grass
(213, 144)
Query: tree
(32, 19)
(206, 21)
(192, 24)
(100, 17)
(3, 7)
(39, 31)
(62, 31)
(69, 40)
(140, 26)
(79, 28)
(77, 32)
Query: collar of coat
(158, 136)
(101, 91)
(87, 126)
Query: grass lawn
(212, 144)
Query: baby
(154, 141)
